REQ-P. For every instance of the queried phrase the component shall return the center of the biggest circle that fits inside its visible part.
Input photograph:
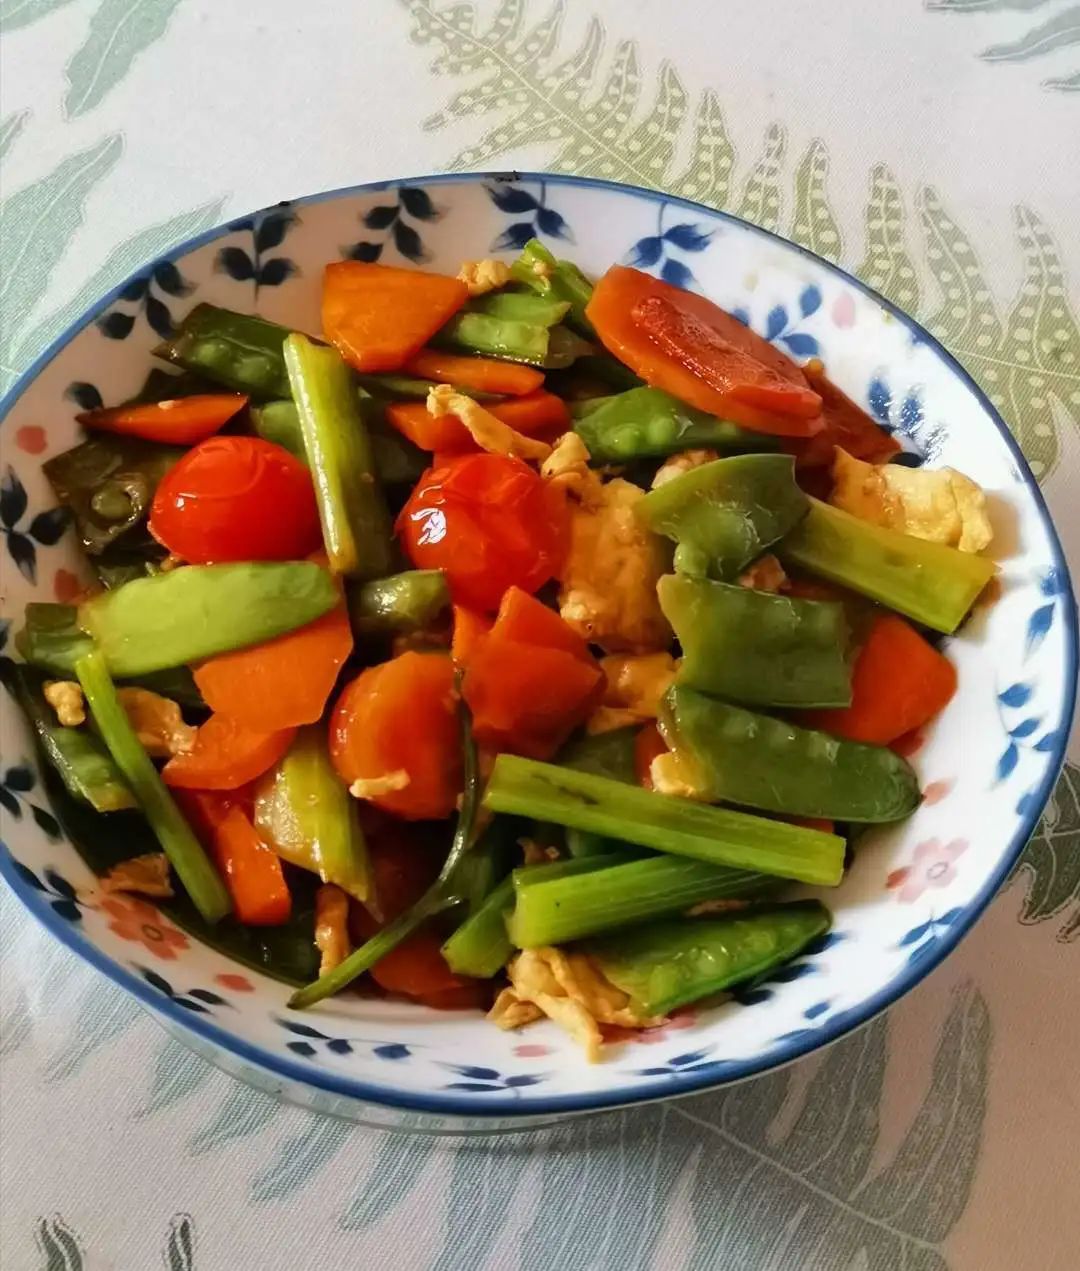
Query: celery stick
(551, 909)
(356, 525)
(736, 839)
(480, 946)
(934, 584)
(185, 853)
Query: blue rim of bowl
(722, 1072)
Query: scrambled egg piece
(568, 989)
(66, 698)
(157, 721)
(608, 580)
(672, 774)
(765, 574)
(372, 787)
(939, 505)
(486, 430)
(331, 927)
(680, 464)
(147, 875)
(635, 683)
(481, 276)
(568, 467)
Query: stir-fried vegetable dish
(514, 642)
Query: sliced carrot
(722, 365)
(612, 312)
(469, 629)
(527, 699)
(523, 618)
(416, 968)
(899, 683)
(282, 683)
(846, 425)
(183, 421)
(398, 720)
(538, 413)
(476, 374)
(378, 316)
(226, 755)
(648, 745)
(252, 872)
(813, 823)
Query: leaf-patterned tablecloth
(931, 148)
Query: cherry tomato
(489, 523)
(236, 498)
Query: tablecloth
(931, 146)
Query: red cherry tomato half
(236, 498)
(489, 523)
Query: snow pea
(108, 484)
(395, 387)
(665, 965)
(512, 339)
(934, 584)
(238, 350)
(757, 648)
(192, 613)
(760, 762)
(649, 423)
(399, 604)
(520, 306)
(539, 270)
(81, 761)
(727, 512)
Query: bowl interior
(986, 766)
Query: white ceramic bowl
(986, 767)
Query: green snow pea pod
(237, 350)
(192, 613)
(649, 423)
(665, 965)
(754, 647)
(727, 512)
(520, 306)
(400, 604)
(108, 484)
(740, 757)
(561, 280)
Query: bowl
(986, 766)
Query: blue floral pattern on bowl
(986, 767)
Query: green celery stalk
(306, 812)
(355, 521)
(192, 613)
(199, 878)
(722, 837)
(553, 909)
(82, 762)
(649, 423)
(662, 966)
(444, 893)
(397, 460)
(399, 604)
(934, 584)
(480, 946)
(237, 350)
